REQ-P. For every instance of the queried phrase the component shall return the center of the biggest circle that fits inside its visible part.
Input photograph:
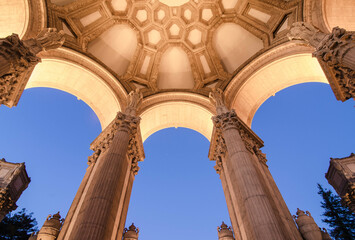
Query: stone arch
(235, 45)
(172, 75)
(100, 90)
(14, 17)
(291, 64)
(23, 17)
(194, 112)
(339, 13)
(115, 47)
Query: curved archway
(14, 17)
(80, 82)
(180, 186)
(115, 47)
(175, 70)
(176, 114)
(270, 79)
(339, 13)
(235, 45)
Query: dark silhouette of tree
(339, 218)
(18, 226)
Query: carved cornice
(127, 123)
(218, 148)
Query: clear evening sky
(177, 193)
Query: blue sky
(176, 191)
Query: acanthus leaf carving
(251, 141)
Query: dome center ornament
(174, 3)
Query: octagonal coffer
(154, 37)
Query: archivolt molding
(106, 107)
(197, 99)
(289, 65)
(286, 49)
(313, 12)
(176, 110)
(37, 18)
(92, 66)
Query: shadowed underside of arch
(80, 82)
(275, 76)
(176, 114)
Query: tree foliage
(339, 218)
(17, 226)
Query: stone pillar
(225, 232)
(307, 226)
(335, 53)
(13, 181)
(131, 233)
(18, 59)
(50, 229)
(104, 201)
(257, 211)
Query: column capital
(18, 59)
(218, 148)
(127, 123)
(335, 53)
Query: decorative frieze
(335, 53)
(18, 59)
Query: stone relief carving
(129, 122)
(218, 148)
(7, 204)
(18, 57)
(306, 31)
(217, 99)
(134, 100)
(334, 51)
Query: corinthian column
(98, 212)
(257, 216)
(18, 59)
(335, 53)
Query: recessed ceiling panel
(175, 70)
(115, 47)
(235, 45)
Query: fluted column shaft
(97, 216)
(259, 211)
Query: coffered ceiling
(168, 45)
